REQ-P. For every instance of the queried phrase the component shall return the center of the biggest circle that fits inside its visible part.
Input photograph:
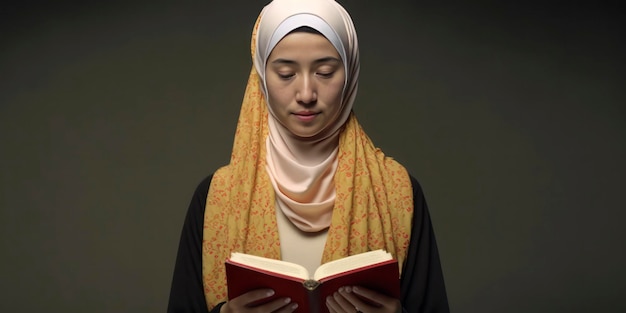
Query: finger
(254, 296)
(332, 305)
(344, 304)
(290, 307)
(248, 299)
(371, 295)
(280, 305)
(390, 304)
(354, 300)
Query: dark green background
(512, 116)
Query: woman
(305, 184)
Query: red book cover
(311, 295)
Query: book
(376, 270)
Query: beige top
(297, 246)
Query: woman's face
(305, 78)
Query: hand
(351, 300)
(246, 303)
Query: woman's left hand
(350, 300)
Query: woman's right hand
(243, 303)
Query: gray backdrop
(511, 116)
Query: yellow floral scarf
(373, 205)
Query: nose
(307, 91)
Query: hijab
(367, 199)
(302, 171)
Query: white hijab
(302, 171)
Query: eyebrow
(321, 60)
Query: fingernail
(348, 289)
(270, 293)
(294, 306)
(287, 300)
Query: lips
(305, 115)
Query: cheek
(275, 95)
(278, 100)
(337, 87)
(336, 93)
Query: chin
(304, 134)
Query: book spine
(315, 303)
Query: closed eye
(286, 76)
(325, 74)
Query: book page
(351, 262)
(276, 266)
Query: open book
(375, 270)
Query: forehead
(303, 45)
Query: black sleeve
(423, 288)
(187, 292)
